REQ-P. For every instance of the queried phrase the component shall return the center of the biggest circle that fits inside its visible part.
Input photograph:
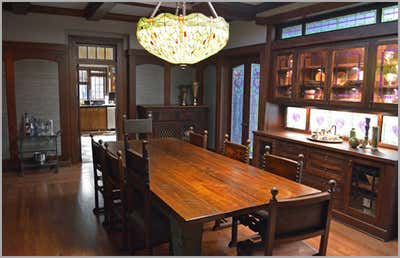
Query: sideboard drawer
(289, 150)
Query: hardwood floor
(51, 214)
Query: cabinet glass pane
(284, 76)
(292, 31)
(237, 103)
(254, 101)
(364, 188)
(348, 75)
(390, 13)
(312, 75)
(390, 130)
(386, 74)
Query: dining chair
(281, 166)
(147, 226)
(98, 159)
(292, 220)
(288, 168)
(138, 128)
(238, 152)
(197, 138)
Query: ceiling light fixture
(182, 39)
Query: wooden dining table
(192, 185)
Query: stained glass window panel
(100, 52)
(82, 52)
(390, 13)
(237, 103)
(291, 32)
(296, 118)
(92, 52)
(390, 130)
(342, 22)
(109, 53)
(254, 102)
(344, 121)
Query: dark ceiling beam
(302, 12)
(57, 11)
(17, 8)
(121, 17)
(268, 6)
(230, 11)
(151, 6)
(96, 11)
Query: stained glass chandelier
(182, 39)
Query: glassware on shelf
(348, 75)
(312, 75)
(385, 90)
(284, 75)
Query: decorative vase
(365, 141)
(353, 141)
(183, 95)
(374, 141)
(195, 89)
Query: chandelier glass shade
(183, 39)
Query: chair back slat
(285, 167)
(98, 154)
(138, 128)
(236, 151)
(113, 169)
(198, 139)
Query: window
(344, 121)
(342, 22)
(296, 118)
(92, 84)
(390, 130)
(96, 52)
(292, 31)
(390, 13)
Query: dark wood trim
(121, 96)
(95, 11)
(358, 33)
(14, 51)
(302, 12)
(242, 51)
(150, 6)
(131, 67)
(122, 17)
(17, 7)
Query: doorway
(244, 99)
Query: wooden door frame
(14, 51)
(121, 97)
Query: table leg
(185, 237)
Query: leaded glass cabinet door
(244, 101)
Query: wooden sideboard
(173, 121)
(93, 118)
(366, 193)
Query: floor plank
(51, 214)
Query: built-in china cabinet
(360, 74)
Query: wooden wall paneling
(122, 89)
(131, 84)
(14, 51)
(199, 78)
(11, 105)
(265, 76)
(167, 83)
(222, 99)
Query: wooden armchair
(98, 157)
(292, 220)
(198, 139)
(138, 128)
(147, 226)
(236, 151)
(291, 169)
(281, 166)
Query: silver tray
(325, 141)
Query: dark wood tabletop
(200, 185)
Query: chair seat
(160, 229)
(298, 248)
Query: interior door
(245, 85)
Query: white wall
(149, 84)
(245, 33)
(36, 85)
(35, 27)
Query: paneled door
(245, 88)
